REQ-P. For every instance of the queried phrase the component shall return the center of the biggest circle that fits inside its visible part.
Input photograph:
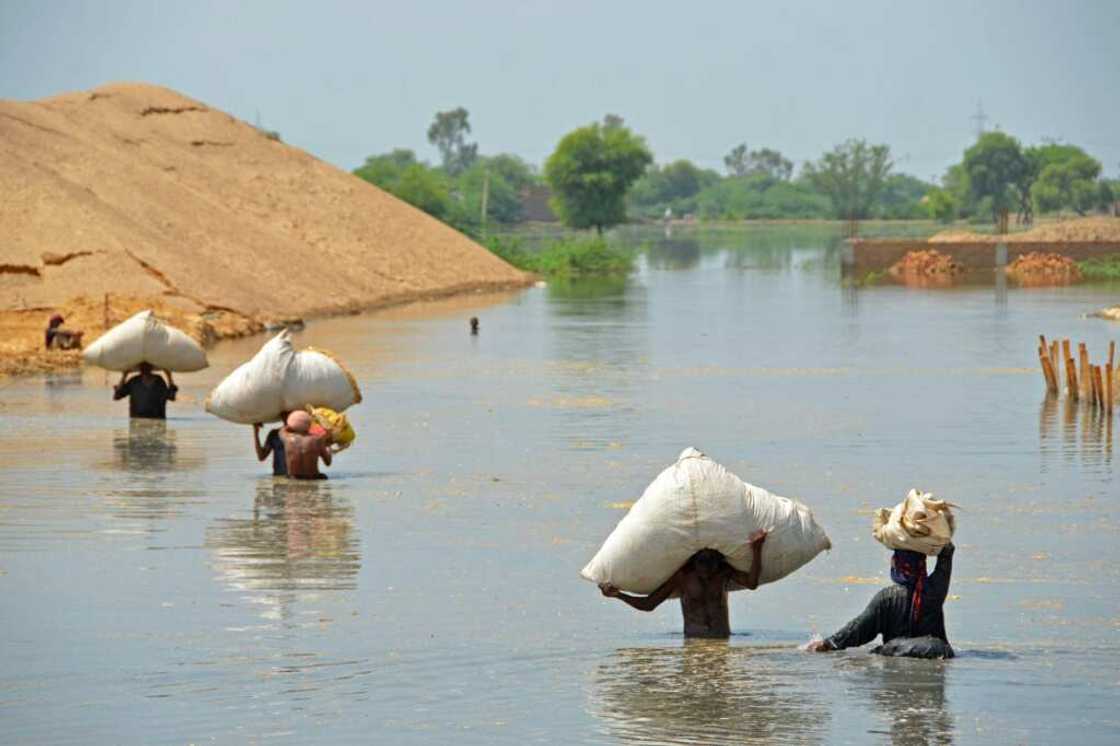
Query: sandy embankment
(1042, 268)
(1095, 228)
(161, 201)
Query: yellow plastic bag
(341, 431)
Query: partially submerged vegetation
(590, 256)
(1101, 268)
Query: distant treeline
(998, 176)
(603, 174)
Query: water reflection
(707, 691)
(908, 696)
(1074, 431)
(674, 253)
(299, 537)
(146, 447)
(142, 478)
(608, 295)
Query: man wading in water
(147, 393)
(702, 583)
(907, 614)
(302, 450)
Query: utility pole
(980, 118)
(485, 198)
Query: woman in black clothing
(907, 614)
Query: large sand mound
(137, 190)
(1097, 228)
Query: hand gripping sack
(143, 338)
(697, 504)
(279, 379)
(919, 523)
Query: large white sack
(920, 523)
(279, 379)
(143, 338)
(697, 504)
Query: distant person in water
(702, 584)
(55, 337)
(302, 449)
(474, 326)
(273, 444)
(147, 393)
(907, 614)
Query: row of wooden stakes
(1094, 384)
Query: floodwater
(157, 586)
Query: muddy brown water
(158, 586)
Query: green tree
(448, 132)
(997, 169)
(902, 198)
(941, 205)
(853, 175)
(770, 163)
(400, 174)
(674, 185)
(1107, 194)
(503, 202)
(736, 161)
(955, 182)
(743, 162)
(590, 172)
(422, 187)
(385, 170)
(759, 196)
(517, 173)
(1067, 177)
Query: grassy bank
(1100, 268)
(565, 257)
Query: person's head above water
(907, 567)
(299, 422)
(706, 561)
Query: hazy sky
(347, 79)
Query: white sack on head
(143, 338)
(919, 523)
(279, 379)
(697, 504)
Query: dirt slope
(137, 190)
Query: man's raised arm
(749, 580)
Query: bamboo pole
(1071, 379)
(1108, 400)
(1097, 385)
(1111, 355)
(1054, 361)
(1048, 373)
(1086, 384)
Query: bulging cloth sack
(697, 504)
(920, 523)
(279, 379)
(143, 338)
